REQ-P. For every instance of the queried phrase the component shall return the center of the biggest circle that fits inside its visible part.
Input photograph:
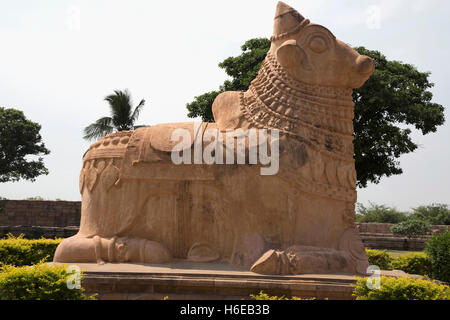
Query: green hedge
(401, 289)
(264, 296)
(38, 282)
(16, 251)
(413, 263)
(438, 249)
(411, 228)
(380, 258)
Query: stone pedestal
(181, 280)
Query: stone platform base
(182, 280)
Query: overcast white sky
(60, 58)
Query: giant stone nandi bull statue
(138, 206)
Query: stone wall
(49, 219)
(39, 213)
(380, 236)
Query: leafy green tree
(411, 228)
(19, 139)
(242, 70)
(379, 213)
(397, 93)
(123, 116)
(435, 214)
(202, 106)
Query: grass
(398, 253)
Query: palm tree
(122, 116)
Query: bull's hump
(227, 111)
(160, 136)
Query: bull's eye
(318, 44)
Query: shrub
(265, 296)
(411, 228)
(35, 198)
(379, 258)
(39, 282)
(438, 249)
(401, 289)
(17, 251)
(434, 214)
(379, 214)
(413, 263)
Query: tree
(122, 118)
(379, 213)
(397, 93)
(435, 214)
(202, 106)
(411, 228)
(242, 69)
(19, 139)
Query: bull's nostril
(365, 64)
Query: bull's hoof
(304, 260)
(273, 263)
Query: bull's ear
(290, 55)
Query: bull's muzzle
(365, 65)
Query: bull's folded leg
(98, 250)
(140, 251)
(304, 260)
(77, 249)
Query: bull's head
(310, 53)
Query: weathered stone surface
(131, 189)
(181, 280)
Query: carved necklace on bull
(320, 116)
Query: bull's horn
(287, 21)
(282, 9)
